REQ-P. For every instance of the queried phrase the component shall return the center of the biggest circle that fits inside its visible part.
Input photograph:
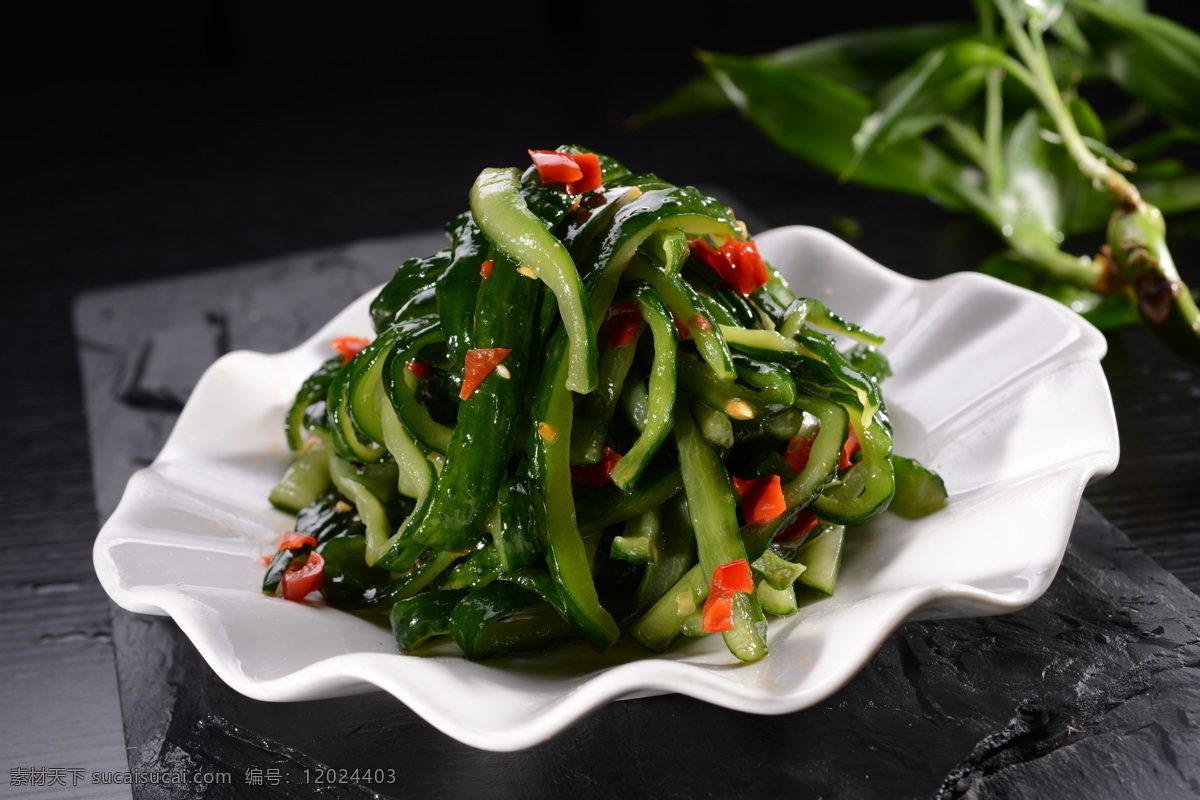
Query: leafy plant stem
(993, 131)
(1032, 49)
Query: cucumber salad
(597, 412)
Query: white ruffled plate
(998, 389)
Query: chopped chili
(556, 167)
(596, 474)
(621, 323)
(578, 172)
(681, 328)
(797, 452)
(293, 541)
(478, 364)
(418, 368)
(733, 577)
(800, 527)
(302, 579)
(762, 498)
(739, 264)
(591, 177)
(718, 608)
(349, 346)
(718, 613)
(851, 447)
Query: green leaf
(1175, 195)
(814, 119)
(699, 96)
(864, 60)
(1154, 59)
(1067, 31)
(942, 82)
(1086, 118)
(1030, 208)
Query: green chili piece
(639, 540)
(476, 570)
(727, 396)
(351, 482)
(415, 471)
(306, 478)
(919, 490)
(412, 291)
(502, 214)
(635, 400)
(610, 506)
(314, 389)
(503, 618)
(591, 424)
(826, 451)
(457, 290)
(865, 489)
(477, 455)
(416, 620)
(715, 426)
(686, 305)
(349, 582)
(718, 540)
(773, 381)
(806, 310)
(662, 623)
(822, 557)
(777, 602)
(554, 503)
(512, 525)
(660, 414)
(673, 552)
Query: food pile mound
(597, 410)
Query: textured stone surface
(1096, 684)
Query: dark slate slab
(1096, 685)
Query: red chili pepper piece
(349, 346)
(699, 322)
(589, 166)
(485, 269)
(801, 526)
(797, 452)
(596, 474)
(718, 613)
(733, 577)
(556, 167)
(477, 365)
(418, 368)
(299, 581)
(762, 498)
(739, 264)
(750, 272)
(621, 323)
(681, 328)
(851, 447)
(293, 541)
(718, 608)
(704, 251)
